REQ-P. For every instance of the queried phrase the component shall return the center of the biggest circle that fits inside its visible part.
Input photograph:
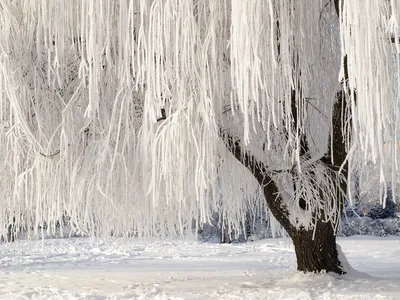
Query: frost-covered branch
(259, 171)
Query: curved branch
(259, 171)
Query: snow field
(81, 268)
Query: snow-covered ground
(184, 269)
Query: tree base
(317, 252)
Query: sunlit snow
(185, 269)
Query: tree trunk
(316, 251)
(316, 248)
(11, 232)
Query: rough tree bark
(317, 251)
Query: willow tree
(145, 117)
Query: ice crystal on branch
(122, 114)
